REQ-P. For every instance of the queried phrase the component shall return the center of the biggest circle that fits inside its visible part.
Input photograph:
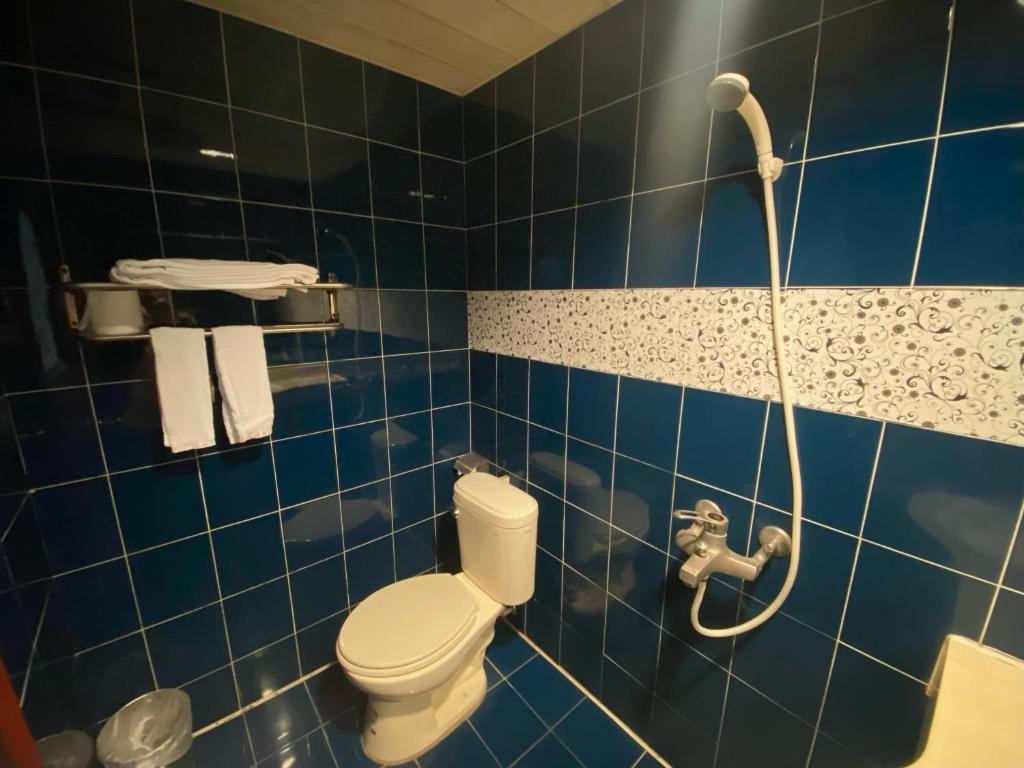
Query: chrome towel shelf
(76, 295)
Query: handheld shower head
(731, 91)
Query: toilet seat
(407, 625)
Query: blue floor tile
(508, 651)
(462, 748)
(545, 689)
(308, 752)
(506, 724)
(226, 746)
(596, 739)
(549, 752)
(282, 720)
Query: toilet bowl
(978, 697)
(416, 647)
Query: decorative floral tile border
(948, 359)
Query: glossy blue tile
(557, 81)
(446, 258)
(451, 432)
(677, 740)
(238, 484)
(403, 321)
(887, 730)
(339, 171)
(514, 182)
(905, 625)
(319, 591)
(22, 153)
(281, 720)
(361, 338)
(332, 693)
(56, 434)
(834, 491)
(747, 716)
(663, 238)
(193, 227)
(592, 399)
(646, 428)
(414, 550)
(1003, 629)
(280, 235)
(631, 641)
(440, 122)
(317, 643)
(460, 749)
(746, 23)
(345, 247)
(588, 478)
(512, 385)
(506, 724)
(886, 187)
(547, 459)
(548, 751)
(548, 391)
(261, 673)
(175, 129)
(784, 70)
(357, 391)
(480, 191)
(642, 501)
(691, 684)
(554, 167)
(263, 68)
(672, 133)
(632, 701)
(332, 86)
(158, 504)
(213, 697)
(479, 118)
(412, 495)
(733, 247)
(971, 207)
(580, 656)
(983, 87)
(926, 481)
(88, 607)
(510, 450)
(29, 202)
(512, 268)
(188, 647)
(879, 76)
(258, 617)
(825, 563)
(678, 37)
(93, 39)
(162, 25)
(305, 468)
(410, 442)
(483, 377)
(366, 513)
(481, 259)
(607, 138)
(408, 383)
(249, 553)
(390, 106)
(720, 440)
(552, 250)
(602, 237)
(550, 523)
(76, 524)
(14, 41)
(586, 543)
(370, 568)
(174, 578)
(312, 531)
(362, 454)
(449, 377)
(595, 739)
(396, 182)
(301, 399)
(636, 574)
(828, 752)
(443, 191)
(514, 102)
(271, 159)
(446, 314)
(611, 54)
(226, 746)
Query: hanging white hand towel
(183, 384)
(241, 362)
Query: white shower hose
(794, 459)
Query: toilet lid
(410, 621)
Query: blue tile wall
(226, 572)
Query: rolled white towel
(256, 280)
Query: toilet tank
(497, 526)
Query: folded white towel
(252, 279)
(241, 362)
(183, 383)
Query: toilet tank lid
(494, 499)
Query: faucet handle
(707, 514)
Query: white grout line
(636, 145)
(1002, 574)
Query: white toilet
(416, 647)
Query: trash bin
(153, 731)
(67, 749)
